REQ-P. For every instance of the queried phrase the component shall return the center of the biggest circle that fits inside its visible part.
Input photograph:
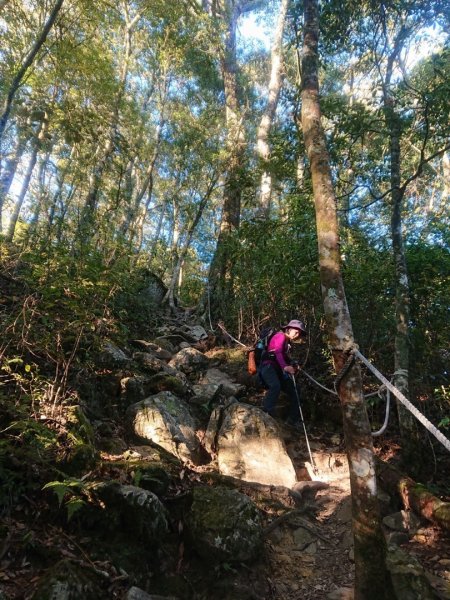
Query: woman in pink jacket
(276, 370)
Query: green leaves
(70, 492)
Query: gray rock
(404, 521)
(153, 290)
(165, 420)
(205, 393)
(249, 446)
(141, 511)
(197, 333)
(342, 593)
(149, 362)
(302, 538)
(397, 538)
(217, 377)
(408, 576)
(112, 356)
(69, 581)
(189, 360)
(152, 348)
(224, 525)
(135, 593)
(132, 389)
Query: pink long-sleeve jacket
(278, 346)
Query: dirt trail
(310, 555)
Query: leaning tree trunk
(414, 495)
(18, 78)
(371, 578)
(262, 142)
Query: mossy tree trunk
(372, 580)
(414, 496)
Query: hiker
(276, 370)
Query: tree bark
(411, 443)
(414, 495)
(8, 173)
(262, 143)
(220, 277)
(18, 78)
(104, 153)
(372, 581)
(176, 272)
(37, 144)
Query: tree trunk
(145, 188)
(159, 227)
(220, 278)
(9, 172)
(104, 153)
(42, 197)
(175, 280)
(414, 495)
(37, 144)
(371, 577)
(262, 143)
(446, 177)
(411, 443)
(17, 80)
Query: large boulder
(195, 332)
(113, 357)
(206, 393)
(148, 362)
(224, 525)
(137, 511)
(165, 420)
(132, 389)
(67, 580)
(153, 289)
(152, 348)
(189, 360)
(408, 576)
(228, 386)
(249, 446)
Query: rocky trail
(204, 446)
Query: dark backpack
(265, 335)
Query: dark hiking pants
(276, 382)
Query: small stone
(445, 562)
(397, 537)
(342, 593)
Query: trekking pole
(313, 464)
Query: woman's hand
(289, 369)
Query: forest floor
(308, 555)
(317, 563)
(312, 557)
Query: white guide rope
(419, 416)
